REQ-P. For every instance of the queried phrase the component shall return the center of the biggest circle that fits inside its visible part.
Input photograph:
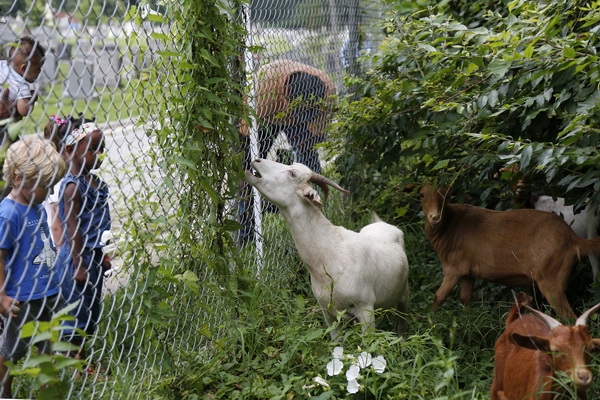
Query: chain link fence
(95, 57)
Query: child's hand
(106, 264)
(5, 109)
(81, 277)
(33, 99)
(8, 307)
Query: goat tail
(375, 217)
(588, 247)
(521, 300)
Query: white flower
(364, 359)
(338, 353)
(321, 381)
(353, 373)
(379, 364)
(334, 367)
(353, 386)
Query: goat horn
(322, 182)
(582, 320)
(551, 322)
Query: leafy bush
(452, 103)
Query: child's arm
(72, 208)
(8, 305)
(24, 106)
(56, 229)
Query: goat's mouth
(252, 176)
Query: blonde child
(27, 290)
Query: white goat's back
(383, 231)
(577, 222)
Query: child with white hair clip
(84, 211)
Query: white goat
(585, 223)
(350, 272)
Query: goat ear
(312, 196)
(411, 188)
(532, 342)
(596, 344)
(444, 190)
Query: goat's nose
(434, 217)
(257, 160)
(584, 377)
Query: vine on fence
(192, 103)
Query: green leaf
(568, 52)
(440, 165)
(15, 129)
(63, 346)
(188, 277)
(155, 18)
(213, 97)
(185, 162)
(65, 310)
(526, 156)
(160, 36)
(499, 67)
(37, 360)
(513, 4)
(53, 391)
(168, 54)
(427, 47)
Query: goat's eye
(292, 173)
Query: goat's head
(568, 346)
(279, 182)
(433, 200)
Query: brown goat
(533, 348)
(514, 248)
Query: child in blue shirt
(27, 288)
(84, 212)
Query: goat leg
(330, 320)
(403, 310)
(557, 299)
(366, 317)
(501, 395)
(449, 282)
(466, 290)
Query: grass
(278, 343)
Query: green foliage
(456, 104)
(471, 13)
(45, 369)
(280, 346)
(277, 344)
